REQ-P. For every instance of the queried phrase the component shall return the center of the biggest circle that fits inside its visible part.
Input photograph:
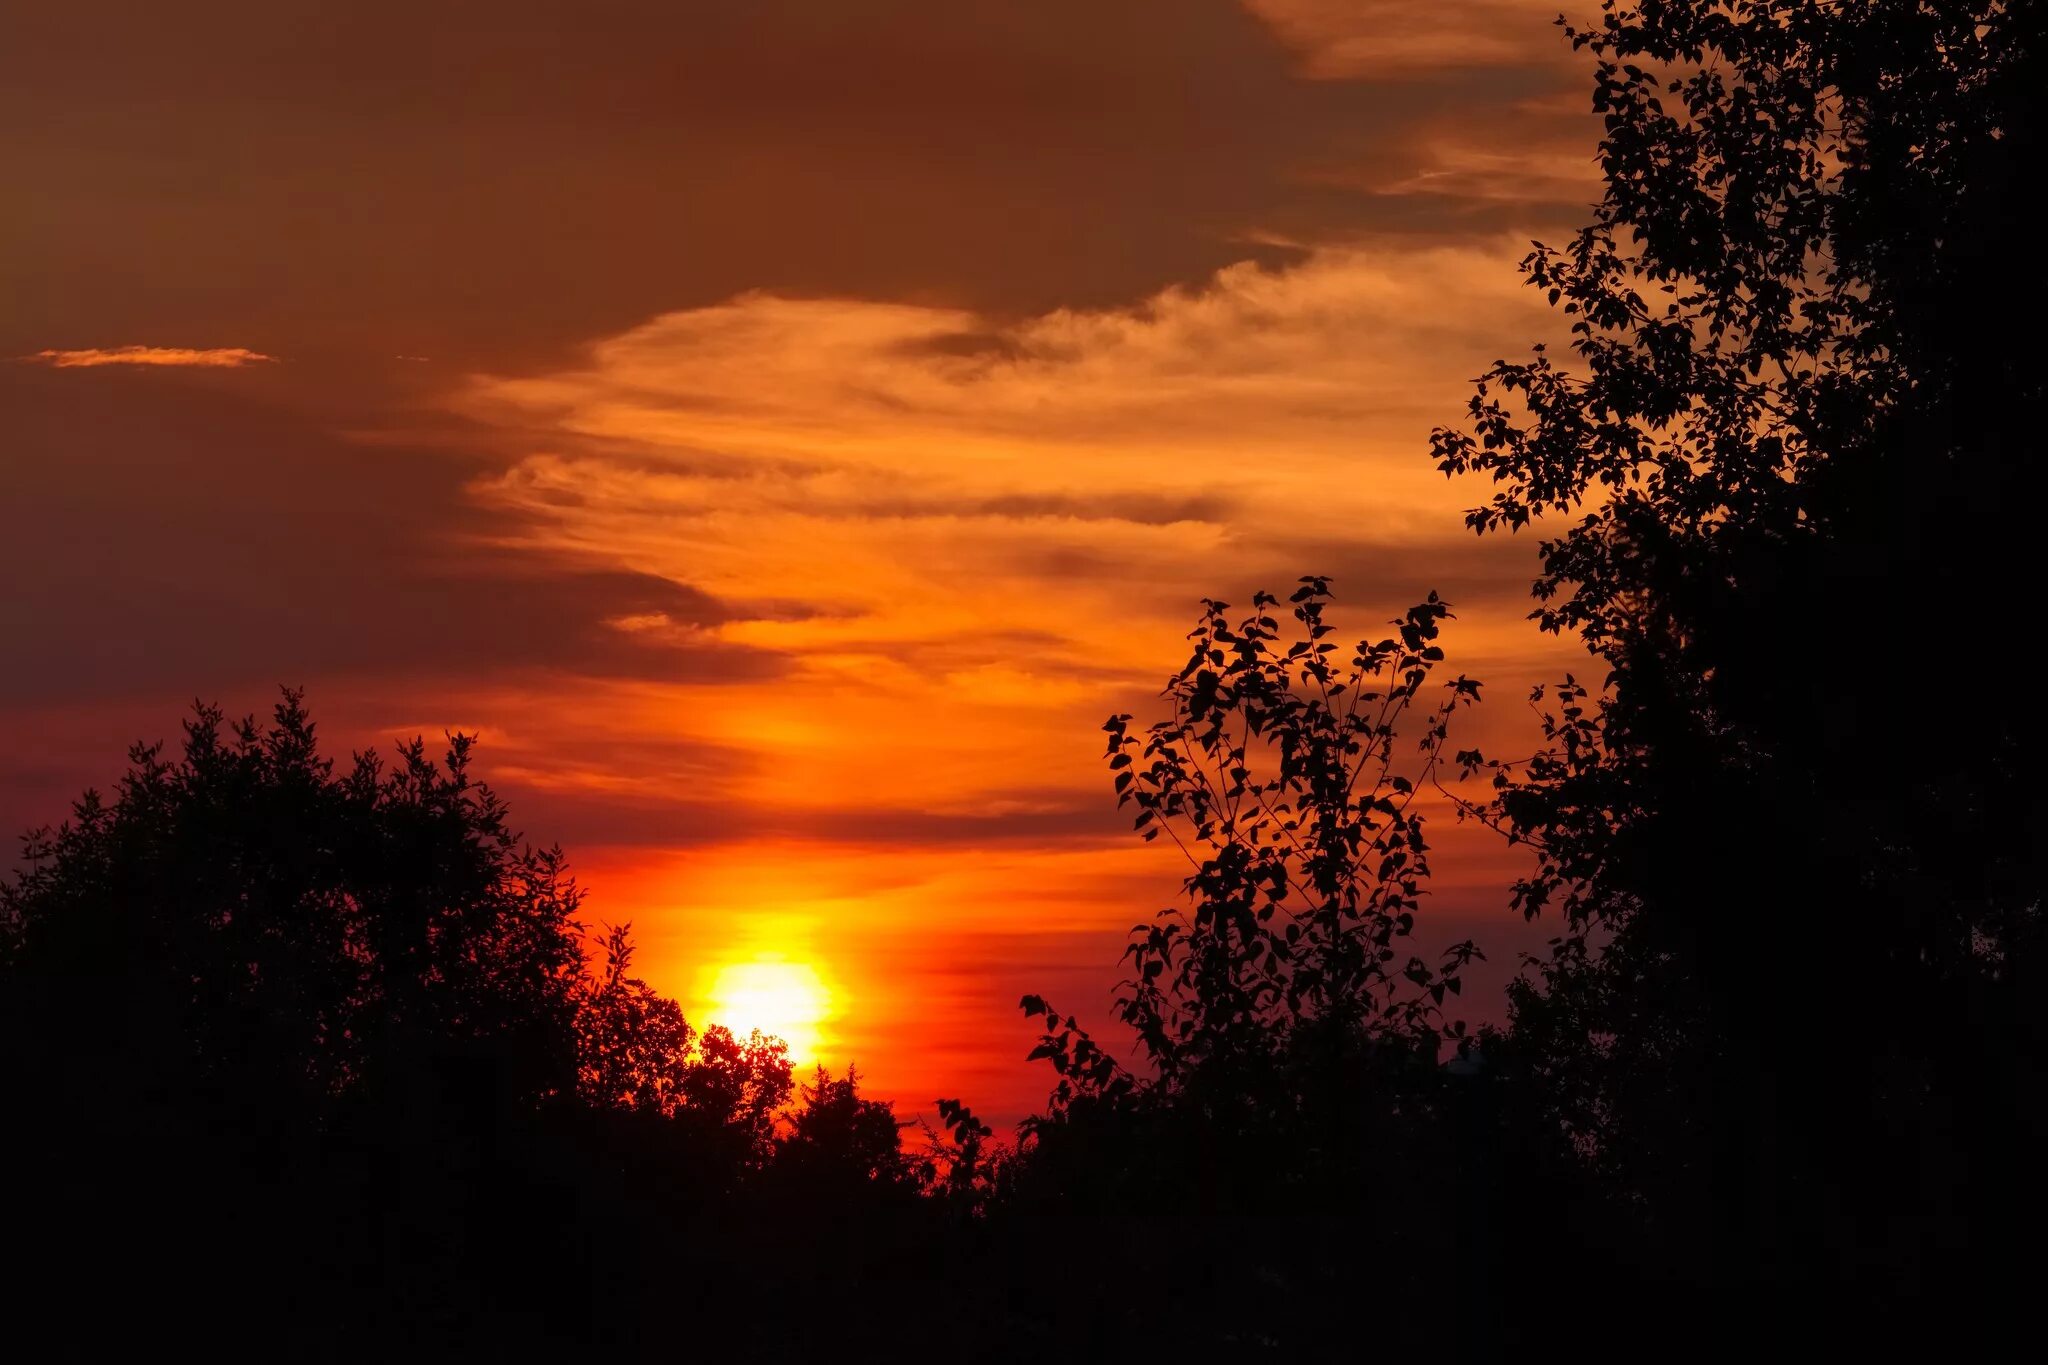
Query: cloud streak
(207, 358)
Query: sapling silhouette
(1279, 1020)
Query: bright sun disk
(787, 1000)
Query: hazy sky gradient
(783, 430)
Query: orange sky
(784, 431)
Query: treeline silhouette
(321, 1053)
(325, 1060)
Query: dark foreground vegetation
(303, 1060)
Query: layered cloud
(972, 494)
(967, 539)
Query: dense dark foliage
(317, 1058)
(1788, 1045)
(1788, 477)
(244, 923)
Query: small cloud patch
(213, 358)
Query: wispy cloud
(1348, 39)
(210, 358)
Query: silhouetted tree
(739, 1086)
(1797, 854)
(837, 1140)
(267, 1032)
(326, 1041)
(963, 1166)
(1280, 1023)
(636, 1052)
(633, 1044)
(1277, 776)
(245, 923)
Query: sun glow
(788, 1000)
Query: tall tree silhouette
(1788, 481)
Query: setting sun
(785, 999)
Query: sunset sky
(783, 430)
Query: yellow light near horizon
(787, 1000)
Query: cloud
(211, 358)
(845, 400)
(1350, 39)
(967, 538)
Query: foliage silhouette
(330, 1038)
(965, 1165)
(1280, 764)
(637, 1053)
(245, 923)
(1789, 1037)
(837, 1139)
(1289, 1044)
(1789, 486)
